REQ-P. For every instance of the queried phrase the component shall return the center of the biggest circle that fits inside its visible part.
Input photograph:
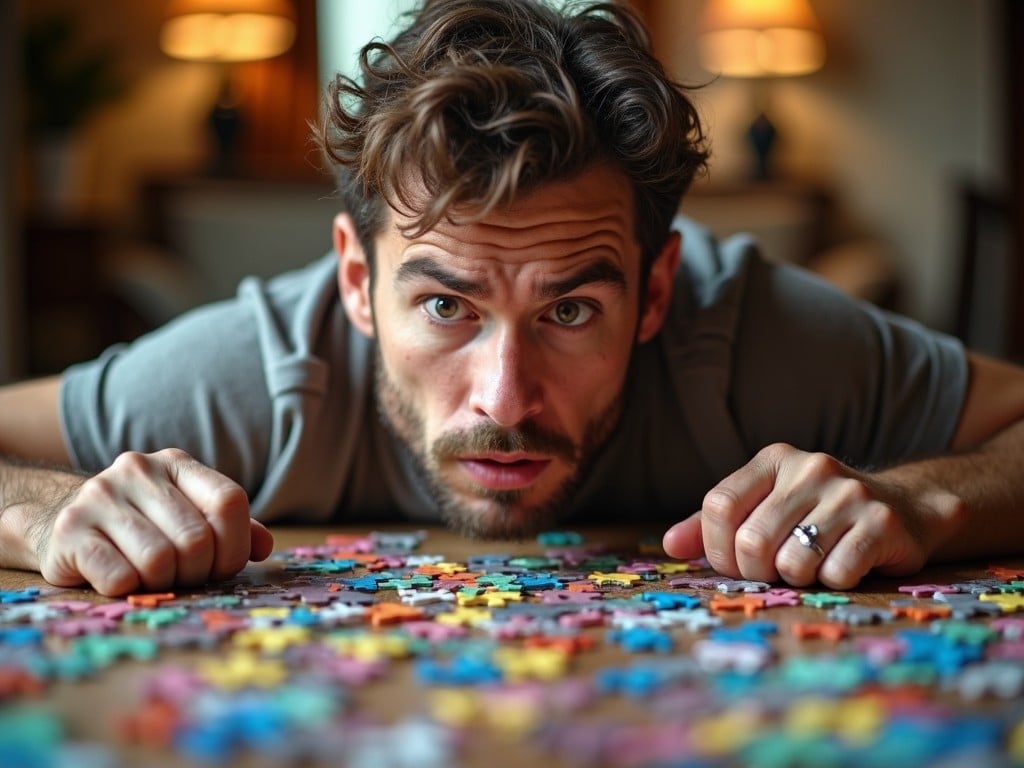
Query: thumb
(262, 541)
(684, 540)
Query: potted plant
(63, 86)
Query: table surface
(715, 714)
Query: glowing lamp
(760, 39)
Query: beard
(499, 514)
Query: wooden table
(96, 709)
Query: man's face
(503, 347)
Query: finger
(768, 530)
(261, 541)
(225, 506)
(842, 500)
(727, 506)
(77, 552)
(684, 540)
(145, 487)
(803, 485)
(799, 564)
(878, 539)
(102, 564)
(144, 545)
(102, 512)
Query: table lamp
(761, 39)
(227, 32)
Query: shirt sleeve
(195, 384)
(270, 389)
(820, 370)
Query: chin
(500, 518)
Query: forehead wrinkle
(463, 247)
(526, 231)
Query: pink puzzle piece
(88, 625)
(880, 650)
(1009, 627)
(111, 610)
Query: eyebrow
(601, 272)
(597, 272)
(426, 267)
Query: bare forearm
(972, 501)
(30, 497)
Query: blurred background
(156, 151)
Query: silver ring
(808, 535)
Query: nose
(505, 384)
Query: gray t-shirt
(275, 389)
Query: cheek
(427, 381)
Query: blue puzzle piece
(640, 680)
(362, 584)
(669, 601)
(219, 736)
(640, 639)
(559, 539)
(462, 670)
(754, 632)
(947, 656)
(322, 566)
(538, 581)
(21, 636)
(26, 595)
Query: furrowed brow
(425, 267)
(602, 272)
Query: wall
(159, 124)
(908, 105)
(343, 33)
(9, 273)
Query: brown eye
(567, 312)
(444, 307)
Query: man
(510, 334)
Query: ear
(353, 275)
(659, 288)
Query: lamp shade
(760, 38)
(227, 30)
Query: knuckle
(131, 462)
(230, 499)
(852, 491)
(155, 558)
(775, 452)
(98, 489)
(69, 521)
(821, 465)
(175, 455)
(752, 543)
(719, 506)
(193, 540)
(92, 552)
(97, 564)
(882, 518)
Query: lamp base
(225, 122)
(762, 135)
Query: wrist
(938, 514)
(18, 539)
(30, 498)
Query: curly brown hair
(481, 100)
